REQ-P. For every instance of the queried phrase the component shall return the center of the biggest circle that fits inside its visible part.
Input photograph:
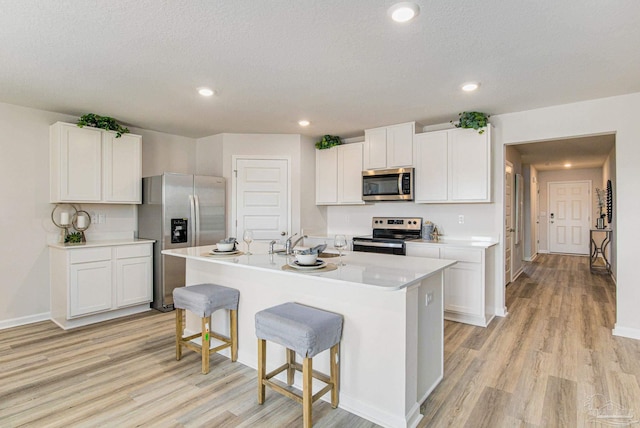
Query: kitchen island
(392, 343)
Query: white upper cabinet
(327, 176)
(91, 165)
(453, 166)
(389, 146)
(339, 175)
(122, 168)
(431, 174)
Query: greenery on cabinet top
(103, 122)
(328, 141)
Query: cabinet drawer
(418, 250)
(127, 251)
(473, 256)
(86, 255)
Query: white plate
(318, 265)
(224, 253)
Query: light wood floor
(535, 368)
(541, 365)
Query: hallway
(544, 364)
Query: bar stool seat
(307, 331)
(203, 300)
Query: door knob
(283, 233)
(512, 230)
(551, 221)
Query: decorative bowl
(223, 246)
(306, 259)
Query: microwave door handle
(400, 183)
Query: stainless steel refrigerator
(179, 210)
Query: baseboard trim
(629, 332)
(17, 322)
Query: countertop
(454, 242)
(102, 243)
(379, 271)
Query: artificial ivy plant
(102, 122)
(472, 119)
(328, 141)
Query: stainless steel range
(389, 235)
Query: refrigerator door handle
(197, 228)
(192, 206)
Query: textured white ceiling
(341, 64)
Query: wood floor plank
(560, 403)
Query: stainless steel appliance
(179, 210)
(389, 235)
(387, 184)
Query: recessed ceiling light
(303, 122)
(470, 86)
(567, 165)
(205, 92)
(403, 11)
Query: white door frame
(508, 164)
(233, 221)
(590, 183)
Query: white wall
(356, 219)
(602, 116)
(166, 153)
(209, 155)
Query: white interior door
(569, 219)
(508, 220)
(262, 198)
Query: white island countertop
(379, 271)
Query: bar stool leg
(307, 392)
(233, 315)
(335, 374)
(179, 332)
(206, 340)
(262, 355)
(291, 371)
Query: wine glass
(340, 243)
(247, 237)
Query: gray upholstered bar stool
(203, 300)
(306, 331)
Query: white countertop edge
(442, 264)
(454, 243)
(105, 243)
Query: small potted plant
(472, 119)
(328, 141)
(102, 122)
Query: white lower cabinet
(468, 286)
(90, 288)
(95, 284)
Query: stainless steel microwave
(387, 184)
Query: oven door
(387, 185)
(383, 247)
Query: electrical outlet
(460, 219)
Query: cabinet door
(133, 281)
(463, 289)
(90, 288)
(350, 173)
(375, 148)
(400, 145)
(469, 165)
(79, 166)
(431, 167)
(327, 176)
(122, 165)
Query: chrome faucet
(289, 246)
